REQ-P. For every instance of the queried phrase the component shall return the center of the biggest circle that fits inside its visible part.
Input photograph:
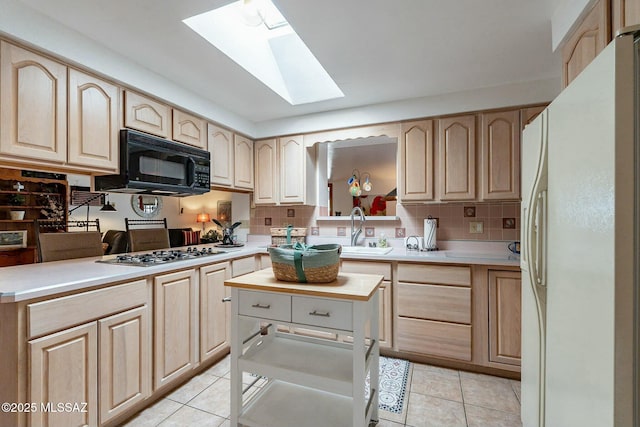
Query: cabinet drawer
(434, 338)
(435, 274)
(322, 312)
(264, 305)
(434, 302)
(59, 313)
(242, 266)
(367, 267)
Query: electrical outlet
(476, 227)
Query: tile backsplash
(500, 221)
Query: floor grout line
(403, 422)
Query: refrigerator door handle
(524, 252)
(536, 238)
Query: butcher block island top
(348, 286)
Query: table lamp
(203, 218)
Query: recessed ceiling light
(255, 35)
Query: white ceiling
(377, 51)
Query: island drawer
(322, 312)
(434, 274)
(64, 312)
(264, 305)
(434, 302)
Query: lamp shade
(203, 217)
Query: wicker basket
(313, 264)
(279, 236)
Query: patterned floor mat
(394, 388)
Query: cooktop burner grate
(161, 257)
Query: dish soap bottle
(382, 241)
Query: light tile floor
(438, 397)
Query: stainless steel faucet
(355, 233)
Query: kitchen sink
(365, 250)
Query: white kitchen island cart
(310, 381)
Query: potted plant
(17, 200)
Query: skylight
(255, 35)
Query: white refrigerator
(580, 257)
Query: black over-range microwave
(152, 165)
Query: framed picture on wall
(224, 211)
(14, 239)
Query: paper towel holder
(429, 238)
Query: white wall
(565, 17)
(512, 94)
(180, 211)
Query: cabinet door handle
(226, 299)
(258, 305)
(319, 313)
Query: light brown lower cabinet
(428, 337)
(433, 310)
(242, 266)
(385, 333)
(125, 361)
(109, 349)
(175, 326)
(505, 292)
(63, 369)
(214, 314)
(89, 355)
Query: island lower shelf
(325, 365)
(282, 404)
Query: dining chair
(154, 235)
(64, 245)
(117, 242)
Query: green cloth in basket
(317, 263)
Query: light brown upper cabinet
(457, 157)
(231, 159)
(145, 114)
(625, 13)
(284, 171)
(93, 122)
(583, 45)
(527, 115)
(243, 162)
(500, 164)
(417, 163)
(33, 106)
(266, 166)
(292, 162)
(220, 143)
(189, 129)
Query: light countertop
(24, 282)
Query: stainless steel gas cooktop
(161, 257)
